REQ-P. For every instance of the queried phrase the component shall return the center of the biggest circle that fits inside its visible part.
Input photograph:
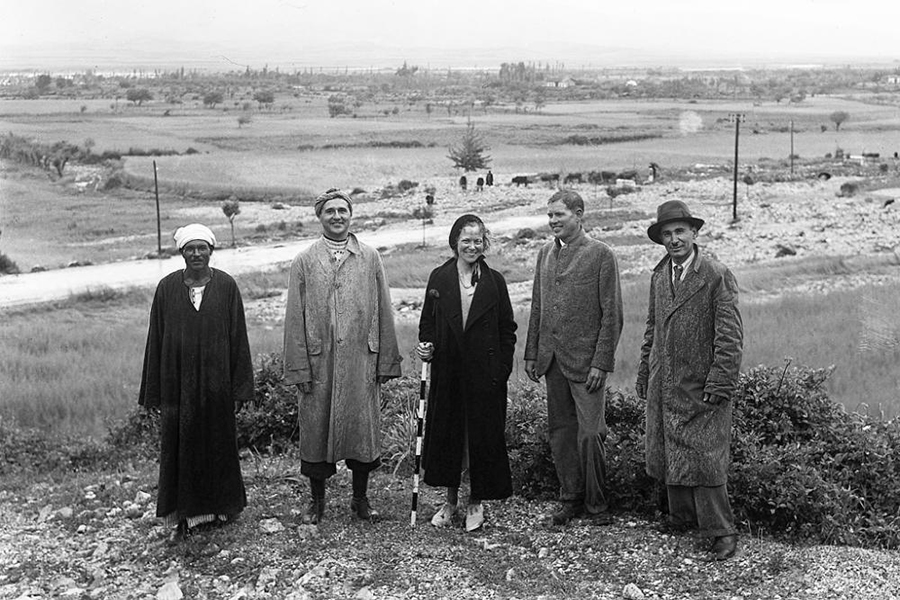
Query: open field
(70, 367)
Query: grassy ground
(72, 367)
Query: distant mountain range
(150, 54)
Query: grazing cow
(520, 180)
(572, 178)
(463, 182)
(550, 179)
(479, 184)
(489, 178)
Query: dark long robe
(196, 365)
(469, 372)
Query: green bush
(528, 444)
(270, 423)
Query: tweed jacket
(576, 308)
(692, 345)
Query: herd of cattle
(595, 177)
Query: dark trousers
(577, 420)
(324, 470)
(706, 508)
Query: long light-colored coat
(692, 345)
(339, 335)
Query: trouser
(577, 421)
(706, 508)
(324, 470)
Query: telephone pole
(736, 118)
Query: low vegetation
(803, 467)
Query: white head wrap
(194, 231)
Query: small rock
(100, 551)
(65, 512)
(271, 526)
(142, 497)
(74, 592)
(82, 529)
(364, 594)
(511, 575)
(543, 552)
(169, 591)
(44, 513)
(632, 592)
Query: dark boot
(359, 505)
(316, 507)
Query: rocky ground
(95, 536)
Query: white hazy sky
(709, 29)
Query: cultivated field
(71, 366)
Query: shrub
(269, 423)
(528, 444)
(7, 265)
(848, 189)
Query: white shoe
(474, 517)
(443, 517)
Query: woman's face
(470, 245)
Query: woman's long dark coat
(469, 372)
(196, 365)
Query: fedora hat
(667, 212)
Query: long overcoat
(339, 336)
(470, 369)
(197, 364)
(692, 345)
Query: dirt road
(46, 286)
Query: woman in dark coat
(468, 332)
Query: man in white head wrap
(194, 231)
(198, 372)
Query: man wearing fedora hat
(690, 361)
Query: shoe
(314, 511)
(600, 519)
(361, 509)
(179, 534)
(672, 528)
(474, 516)
(723, 547)
(566, 512)
(443, 517)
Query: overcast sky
(246, 31)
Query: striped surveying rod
(420, 425)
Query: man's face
(196, 255)
(678, 237)
(564, 223)
(335, 218)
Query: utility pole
(792, 147)
(158, 225)
(736, 118)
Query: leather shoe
(566, 512)
(314, 511)
(444, 517)
(361, 509)
(672, 528)
(600, 519)
(723, 547)
(474, 516)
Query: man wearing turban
(197, 374)
(339, 347)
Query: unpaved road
(58, 284)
